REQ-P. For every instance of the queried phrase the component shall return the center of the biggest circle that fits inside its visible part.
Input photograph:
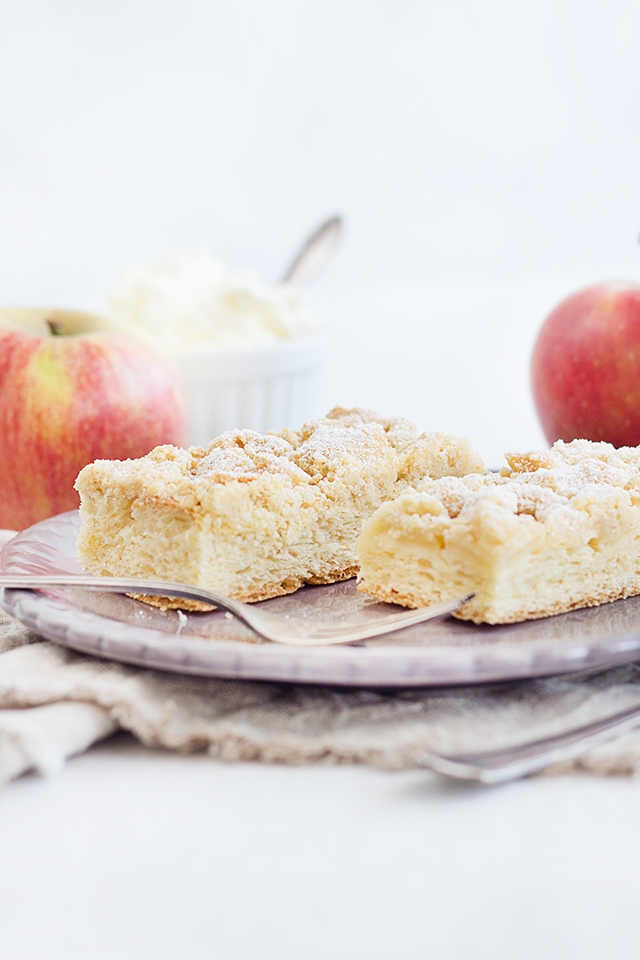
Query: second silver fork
(531, 756)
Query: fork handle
(126, 585)
(510, 763)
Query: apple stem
(56, 328)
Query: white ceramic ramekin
(257, 388)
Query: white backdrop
(485, 156)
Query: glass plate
(441, 652)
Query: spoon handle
(315, 252)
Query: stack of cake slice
(257, 516)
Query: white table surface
(136, 853)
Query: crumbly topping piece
(241, 454)
(350, 453)
(399, 432)
(569, 468)
(564, 454)
(444, 454)
(570, 476)
(323, 449)
(454, 492)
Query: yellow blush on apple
(75, 388)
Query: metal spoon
(315, 252)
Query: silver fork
(269, 626)
(510, 763)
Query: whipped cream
(191, 298)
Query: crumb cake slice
(256, 516)
(556, 530)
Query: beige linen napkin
(55, 703)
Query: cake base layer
(270, 590)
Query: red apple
(585, 369)
(75, 388)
